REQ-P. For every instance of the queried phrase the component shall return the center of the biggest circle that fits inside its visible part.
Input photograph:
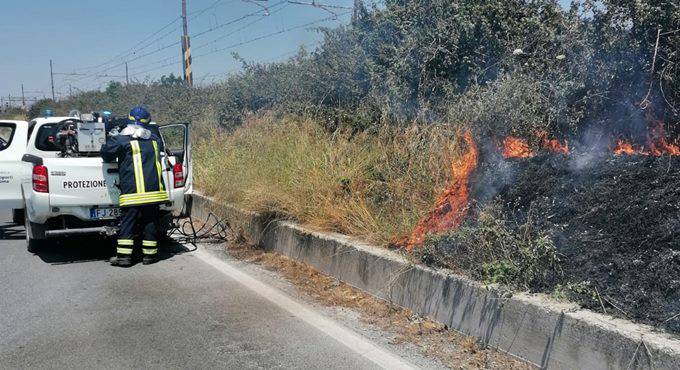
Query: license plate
(104, 213)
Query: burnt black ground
(615, 222)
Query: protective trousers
(142, 220)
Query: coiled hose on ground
(212, 230)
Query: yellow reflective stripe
(137, 163)
(149, 243)
(149, 251)
(142, 202)
(120, 250)
(157, 192)
(154, 194)
(131, 199)
(158, 165)
(149, 197)
(132, 118)
(144, 120)
(126, 242)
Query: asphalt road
(67, 308)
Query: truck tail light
(40, 180)
(178, 175)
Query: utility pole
(23, 97)
(70, 90)
(127, 75)
(186, 47)
(355, 10)
(52, 79)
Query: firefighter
(137, 150)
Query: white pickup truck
(77, 195)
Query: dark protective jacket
(153, 127)
(139, 167)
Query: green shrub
(496, 250)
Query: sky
(93, 39)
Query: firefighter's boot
(149, 260)
(150, 250)
(121, 260)
(123, 256)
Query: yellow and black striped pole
(186, 48)
(186, 55)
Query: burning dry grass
(375, 185)
(601, 231)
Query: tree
(171, 80)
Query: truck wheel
(18, 216)
(32, 245)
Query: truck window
(173, 137)
(45, 137)
(6, 135)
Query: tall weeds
(374, 185)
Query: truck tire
(18, 216)
(33, 245)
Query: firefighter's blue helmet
(139, 115)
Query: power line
(326, 7)
(230, 22)
(135, 48)
(246, 42)
(164, 60)
(172, 63)
(170, 45)
(272, 34)
(84, 74)
(255, 2)
(241, 28)
(174, 59)
(198, 13)
(132, 52)
(130, 60)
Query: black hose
(185, 231)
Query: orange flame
(625, 147)
(554, 146)
(450, 208)
(514, 147)
(657, 144)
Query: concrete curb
(532, 327)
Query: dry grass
(433, 339)
(373, 185)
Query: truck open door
(13, 138)
(176, 138)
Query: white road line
(336, 331)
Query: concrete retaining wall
(532, 327)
